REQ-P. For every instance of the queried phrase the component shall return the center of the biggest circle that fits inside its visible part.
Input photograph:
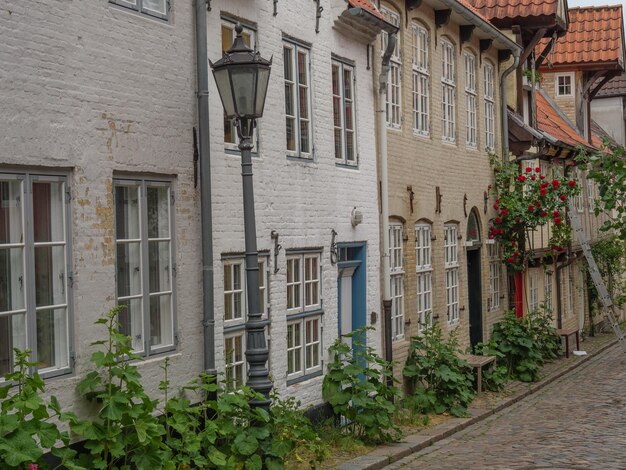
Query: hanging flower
(504, 213)
(498, 220)
(538, 170)
(542, 176)
(529, 169)
(533, 177)
(522, 178)
(531, 208)
(496, 206)
(556, 214)
(543, 213)
(543, 191)
(571, 183)
(555, 184)
(557, 220)
(563, 197)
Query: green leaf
(246, 444)
(19, 448)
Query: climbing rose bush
(526, 199)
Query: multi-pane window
(296, 65)
(304, 347)
(470, 98)
(591, 195)
(564, 85)
(533, 290)
(548, 290)
(579, 199)
(34, 270)
(570, 290)
(495, 266)
(156, 8)
(228, 36)
(393, 110)
(145, 263)
(451, 263)
(448, 91)
(421, 80)
(396, 265)
(235, 315)
(424, 274)
(343, 113)
(490, 107)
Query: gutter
(206, 216)
(504, 109)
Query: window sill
(296, 158)
(347, 166)
(304, 378)
(234, 328)
(394, 128)
(311, 313)
(237, 153)
(422, 135)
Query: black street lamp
(242, 76)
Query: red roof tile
(502, 12)
(551, 122)
(473, 9)
(367, 5)
(594, 36)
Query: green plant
(438, 378)
(528, 73)
(357, 387)
(545, 335)
(127, 432)
(25, 428)
(495, 377)
(525, 201)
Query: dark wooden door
(475, 297)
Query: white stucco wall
(609, 113)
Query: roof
(508, 12)
(476, 11)
(367, 5)
(614, 87)
(599, 135)
(551, 121)
(595, 36)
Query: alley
(577, 422)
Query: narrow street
(577, 422)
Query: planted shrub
(548, 340)
(26, 430)
(496, 376)
(356, 386)
(439, 380)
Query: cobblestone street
(577, 422)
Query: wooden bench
(478, 362)
(566, 333)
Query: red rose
(543, 191)
(531, 208)
(556, 183)
(516, 254)
(522, 178)
(572, 183)
(529, 169)
(533, 177)
(497, 201)
(498, 220)
(543, 213)
(496, 206)
(511, 259)
(538, 204)
(538, 170)
(517, 220)
(563, 197)
(556, 214)
(542, 176)
(544, 185)
(504, 212)
(557, 220)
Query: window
(235, 310)
(34, 270)
(296, 62)
(451, 263)
(228, 36)
(421, 81)
(343, 113)
(533, 290)
(393, 108)
(548, 290)
(397, 280)
(448, 92)
(564, 84)
(579, 199)
(591, 195)
(493, 250)
(304, 321)
(155, 8)
(490, 135)
(144, 263)
(570, 290)
(424, 274)
(470, 98)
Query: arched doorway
(474, 285)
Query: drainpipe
(384, 192)
(504, 118)
(202, 66)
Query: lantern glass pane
(244, 86)
(222, 79)
(264, 77)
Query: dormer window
(564, 85)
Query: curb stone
(388, 454)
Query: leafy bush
(548, 340)
(496, 376)
(25, 427)
(356, 386)
(438, 378)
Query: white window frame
(579, 199)
(232, 145)
(533, 289)
(296, 85)
(490, 107)
(304, 284)
(448, 92)
(396, 264)
(393, 100)
(591, 195)
(557, 85)
(304, 346)
(495, 273)
(421, 80)
(139, 7)
(451, 263)
(234, 360)
(141, 328)
(22, 247)
(345, 112)
(547, 290)
(424, 275)
(471, 125)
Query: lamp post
(242, 76)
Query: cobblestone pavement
(576, 423)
